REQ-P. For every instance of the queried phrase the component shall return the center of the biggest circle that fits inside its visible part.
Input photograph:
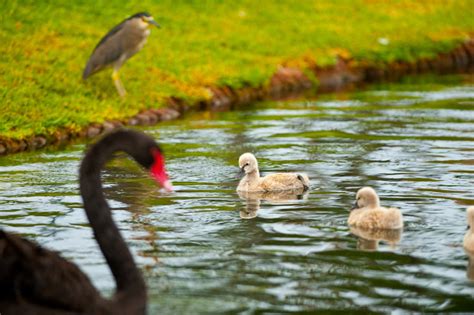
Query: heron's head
(145, 19)
(248, 163)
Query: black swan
(34, 280)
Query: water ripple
(200, 256)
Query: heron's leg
(118, 84)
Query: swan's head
(248, 163)
(470, 217)
(366, 197)
(147, 153)
(141, 147)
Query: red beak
(158, 171)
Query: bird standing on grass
(120, 43)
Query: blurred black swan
(35, 280)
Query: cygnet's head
(248, 163)
(470, 217)
(366, 197)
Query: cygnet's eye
(246, 164)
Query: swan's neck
(372, 202)
(128, 278)
(252, 179)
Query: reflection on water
(412, 142)
(470, 266)
(254, 199)
(369, 239)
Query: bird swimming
(469, 236)
(368, 214)
(35, 280)
(252, 181)
(118, 45)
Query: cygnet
(252, 182)
(469, 237)
(368, 214)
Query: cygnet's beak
(242, 171)
(355, 206)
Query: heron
(118, 45)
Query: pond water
(203, 249)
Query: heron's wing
(36, 275)
(106, 52)
(111, 33)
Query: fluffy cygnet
(368, 214)
(469, 237)
(274, 182)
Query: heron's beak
(355, 206)
(153, 22)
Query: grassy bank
(45, 46)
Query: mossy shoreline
(207, 54)
(284, 82)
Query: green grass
(202, 43)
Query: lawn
(201, 43)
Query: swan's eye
(246, 164)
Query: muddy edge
(284, 83)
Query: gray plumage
(118, 45)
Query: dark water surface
(413, 142)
